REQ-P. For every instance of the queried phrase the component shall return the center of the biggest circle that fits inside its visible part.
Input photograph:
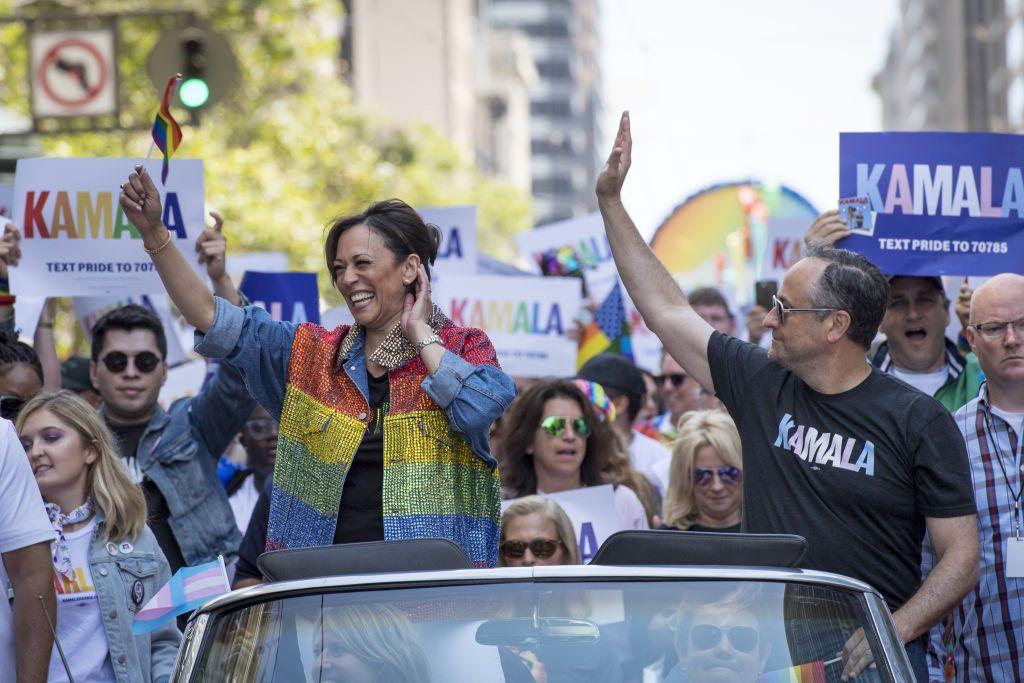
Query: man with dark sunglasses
(679, 392)
(833, 450)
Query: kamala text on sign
(944, 203)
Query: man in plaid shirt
(988, 626)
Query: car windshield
(525, 632)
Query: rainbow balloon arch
(717, 236)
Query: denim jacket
(179, 452)
(124, 583)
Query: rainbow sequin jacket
(440, 479)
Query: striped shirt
(988, 625)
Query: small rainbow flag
(812, 672)
(608, 331)
(189, 588)
(166, 131)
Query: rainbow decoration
(189, 588)
(164, 123)
(608, 331)
(599, 398)
(812, 672)
(718, 235)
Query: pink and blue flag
(189, 588)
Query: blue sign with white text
(942, 203)
(293, 297)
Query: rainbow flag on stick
(608, 331)
(166, 131)
(812, 672)
(189, 588)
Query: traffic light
(194, 91)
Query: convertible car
(651, 607)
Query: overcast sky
(723, 91)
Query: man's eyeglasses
(554, 425)
(261, 428)
(781, 311)
(10, 406)
(542, 548)
(145, 362)
(996, 330)
(677, 379)
(741, 638)
(730, 476)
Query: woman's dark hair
(402, 229)
(13, 352)
(520, 423)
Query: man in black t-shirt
(855, 461)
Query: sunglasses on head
(730, 476)
(145, 362)
(741, 638)
(677, 379)
(554, 425)
(10, 406)
(542, 548)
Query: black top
(254, 542)
(854, 473)
(734, 529)
(158, 513)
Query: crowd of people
(898, 461)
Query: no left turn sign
(73, 73)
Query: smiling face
(915, 324)
(59, 459)
(717, 501)
(559, 457)
(130, 395)
(370, 279)
(802, 337)
(710, 653)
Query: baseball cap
(615, 372)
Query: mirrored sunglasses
(554, 425)
(730, 476)
(542, 548)
(145, 362)
(741, 638)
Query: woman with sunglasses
(536, 531)
(21, 374)
(106, 562)
(704, 491)
(552, 440)
(384, 423)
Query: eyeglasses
(261, 427)
(996, 330)
(741, 638)
(10, 406)
(554, 425)
(677, 379)
(781, 311)
(730, 476)
(542, 548)
(145, 362)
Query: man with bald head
(853, 460)
(988, 627)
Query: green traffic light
(194, 92)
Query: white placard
(458, 253)
(89, 309)
(73, 73)
(593, 514)
(585, 236)
(26, 315)
(526, 318)
(183, 381)
(75, 239)
(784, 246)
(6, 202)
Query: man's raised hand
(212, 248)
(609, 183)
(826, 230)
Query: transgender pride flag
(189, 588)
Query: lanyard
(1017, 463)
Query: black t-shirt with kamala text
(854, 473)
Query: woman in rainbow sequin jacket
(384, 423)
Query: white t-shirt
(925, 382)
(79, 622)
(646, 453)
(1015, 420)
(630, 509)
(243, 501)
(23, 522)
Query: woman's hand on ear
(418, 309)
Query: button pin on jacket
(126, 548)
(112, 548)
(138, 593)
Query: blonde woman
(536, 531)
(106, 562)
(705, 491)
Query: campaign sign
(784, 246)
(575, 247)
(943, 203)
(293, 297)
(458, 253)
(526, 318)
(593, 515)
(6, 201)
(75, 238)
